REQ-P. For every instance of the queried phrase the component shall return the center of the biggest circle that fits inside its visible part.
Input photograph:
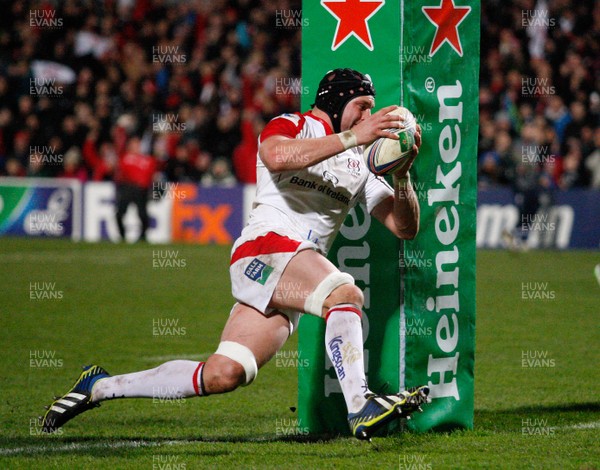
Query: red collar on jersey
(328, 130)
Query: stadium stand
(197, 81)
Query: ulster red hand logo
(446, 19)
(352, 16)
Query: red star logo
(352, 16)
(446, 19)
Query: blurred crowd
(539, 95)
(194, 82)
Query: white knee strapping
(242, 355)
(314, 302)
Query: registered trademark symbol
(430, 84)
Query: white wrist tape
(348, 139)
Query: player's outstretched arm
(282, 153)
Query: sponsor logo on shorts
(258, 271)
(336, 356)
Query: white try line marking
(77, 446)
(96, 257)
(173, 357)
(592, 425)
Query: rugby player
(310, 173)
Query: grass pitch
(63, 305)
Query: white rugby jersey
(312, 203)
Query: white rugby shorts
(257, 263)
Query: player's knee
(223, 374)
(232, 375)
(336, 288)
(345, 294)
(239, 365)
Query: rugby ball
(386, 156)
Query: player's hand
(402, 171)
(377, 125)
(418, 141)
